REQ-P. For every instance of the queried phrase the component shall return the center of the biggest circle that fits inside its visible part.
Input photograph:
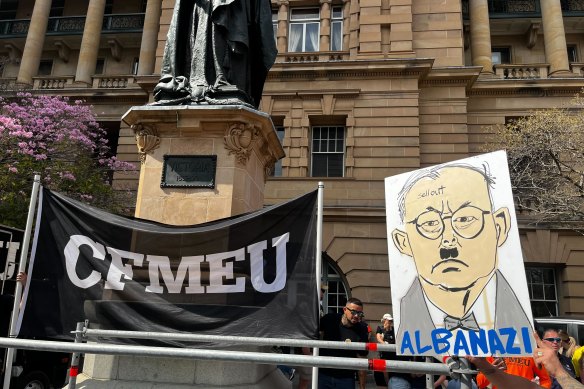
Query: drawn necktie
(466, 323)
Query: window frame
(277, 170)
(275, 24)
(45, 63)
(337, 290)
(572, 53)
(504, 54)
(57, 8)
(99, 62)
(304, 22)
(326, 142)
(336, 21)
(551, 305)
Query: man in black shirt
(343, 327)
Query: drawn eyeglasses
(467, 222)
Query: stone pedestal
(246, 146)
(243, 139)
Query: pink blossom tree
(61, 141)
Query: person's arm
(364, 335)
(362, 378)
(546, 356)
(544, 378)
(21, 277)
(379, 338)
(439, 381)
(567, 381)
(501, 379)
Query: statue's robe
(207, 38)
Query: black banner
(249, 275)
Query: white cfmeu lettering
(72, 256)
(221, 268)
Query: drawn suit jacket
(414, 313)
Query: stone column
(325, 25)
(35, 40)
(556, 52)
(282, 34)
(354, 27)
(149, 43)
(90, 42)
(480, 35)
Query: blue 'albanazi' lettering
(526, 336)
(406, 343)
(478, 339)
(504, 341)
(460, 344)
(440, 336)
(495, 344)
(423, 349)
(511, 335)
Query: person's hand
(21, 277)
(546, 356)
(499, 363)
(484, 365)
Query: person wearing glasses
(347, 326)
(551, 338)
(452, 233)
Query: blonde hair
(569, 350)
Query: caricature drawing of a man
(452, 233)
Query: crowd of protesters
(557, 362)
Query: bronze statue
(217, 52)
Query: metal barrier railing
(82, 333)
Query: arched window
(336, 296)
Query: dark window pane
(335, 168)
(539, 309)
(45, 67)
(536, 276)
(319, 167)
(332, 299)
(548, 276)
(538, 292)
(581, 333)
(550, 292)
(331, 145)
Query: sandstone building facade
(361, 90)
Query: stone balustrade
(320, 56)
(64, 82)
(521, 72)
(112, 82)
(577, 68)
(52, 82)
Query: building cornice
(351, 69)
